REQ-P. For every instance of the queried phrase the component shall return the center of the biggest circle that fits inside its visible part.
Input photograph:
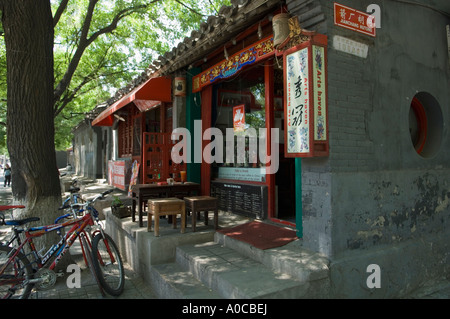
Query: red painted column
(269, 100)
(206, 123)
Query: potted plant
(119, 209)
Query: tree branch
(85, 42)
(69, 96)
(62, 7)
(212, 5)
(113, 25)
(190, 9)
(61, 104)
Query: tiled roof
(214, 32)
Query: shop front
(244, 97)
(256, 105)
(142, 121)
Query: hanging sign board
(119, 173)
(306, 109)
(298, 130)
(355, 20)
(134, 177)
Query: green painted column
(298, 197)
(193, 112)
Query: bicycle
(74, 196)
(18, 275)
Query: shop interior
(247, 91)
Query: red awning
(145, 105)
(151, 93)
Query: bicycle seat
(20, 222)
(74, 189)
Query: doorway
(285, 182)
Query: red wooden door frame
(269, 101)
(207, 94)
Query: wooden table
(143, 192)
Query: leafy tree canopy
(127, 34)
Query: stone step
(231, 269)
(234, 275)
(170, 281)
(291, 259)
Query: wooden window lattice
(157, 160)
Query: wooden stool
(197, 204)
(166, 206)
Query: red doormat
(261, 235)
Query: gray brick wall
(370, 145)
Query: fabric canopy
(145, 96)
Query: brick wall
(366, 193)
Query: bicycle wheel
(108, 264)
(88, 258)
(13, 279)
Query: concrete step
(291, 259)
(170, 281)
(235, 275)
(231, 269)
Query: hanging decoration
(305, 89)
(229, 67)
(280, 26)
(296, 36)
(179, 86)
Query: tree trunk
(28, 26)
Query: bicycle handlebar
(89, 202)
(73, 206)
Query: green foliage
(3, 148)
(114, 58)
(117, 202)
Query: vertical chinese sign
(297, 103)
(239, 118)
(306, 111)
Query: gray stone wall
(89, 151)
(375, 200)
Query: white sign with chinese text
(297, 102)
(254, 174)
(350, 46)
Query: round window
(425, 124)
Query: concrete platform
(225, 272)
(141, 249)
(206, 264)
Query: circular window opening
(425, 124)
